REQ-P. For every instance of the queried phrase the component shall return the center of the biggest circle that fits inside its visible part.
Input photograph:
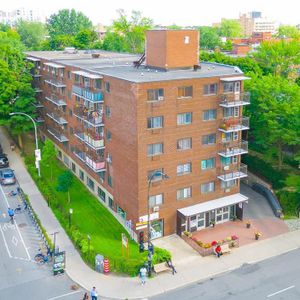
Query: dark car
(7, 176)
(4, 163)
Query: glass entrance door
(200, 221)
(222, 215)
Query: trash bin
(99, 263)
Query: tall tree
(49, 155)
(16, 93)
(209, 38)
(84, 38)
(113, 42)
(288, 31)
(67, 22)
(32, 34)
(64, 183)
(230, 28)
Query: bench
(161, 267)
(225, 248)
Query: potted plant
(248, 224)
(212, 223)
(257, 235)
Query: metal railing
(87, 94)
(58, 119)
(57, 135)
(231, 100)
(231, 124)
(232, 172)
(231, 148)
(54, 82)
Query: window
(235, 159)
(228, 87)
(110, 181)
(208, 163)
(101, 194)
(184, 118)
(66, 160)
(209, 115)
(211, 89)
(156, 177)
(107, 112)
(73, 167)
(225, 161)
(86, 82)
(184, 193)
(184, 169)
(101, 176)
(90, 183)
(61, 73)
(69, 75)
(71, 130)
(156, 200)
(108, 135)
(155, 122)
(184, 144)
(155, 149)
(209, 139)
(155, 95)
(70, 112)
(208, 187)
(228, 184)
(81, 175)
(77, 78)
(185, 92)
(231, 112)
(97, 84)
(107, 87)
(110, 203)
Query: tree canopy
(288, 31)
(230, 28)
(209, 38)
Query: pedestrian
(94, 294)
(218, 251)
(170, 265)
(85, 296)
(143, 273)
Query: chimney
(172, 49)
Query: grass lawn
(89, 217)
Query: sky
(166, 12)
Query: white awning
(32, 58)
(53, 65)
(236, 78)
(88, 75)
(213, 204)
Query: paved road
(20, 277)
(276, 278)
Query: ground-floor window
(73, 167)
(101, 194)
(81, 175)
(90, 183)
(222, 214)
(66, 160)
(110, 203)
(157, 229)
(121, 212)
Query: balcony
(233, 100)
(97, 165)
(232, 172)
(232, 148)
(233, 124)
(39, 119)
(86, 94)
(38, 90)
(56, 101)
(58, 136)
(94, 141)
(92, 117)
(59, 120)
(55, 82)
(37, 104)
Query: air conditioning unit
(155, 208)
(227, 190)
(160, 98)
(226, 168)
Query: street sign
(153, 216)
(141, 227)
(141, 223)
(59, 262)
(124, 240)
(37, 153)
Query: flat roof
(213, 204)
(120, 65)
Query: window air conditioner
(155, 208)
(227, 190)
(226, 168)
(160, 98)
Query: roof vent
(95, 55)
(70, 50)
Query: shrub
(160, 255)
(206, 245)
(200, 243)
(290, 202)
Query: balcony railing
(232, 124)
(55, 82)
(37, 104)
(232, 100)
(59, 120)
(97, 165)
(92, 117)
(232, 172)
(56, 101)
(57, 135)
(38, 90)
(232, 148)
(86, 94)
(95, 142)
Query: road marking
(14, 240)
(4, 196)
(5, 243)
(64, 295)
(281, 291)
(4, 215)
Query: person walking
(85, 296)
(143, 274)
(94, 294)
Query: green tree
(209, 38)
(59, 42)
(16, 93)
(64, 183)
(288, 31)
(174, 27)
(67, 22)
(274, 113)
(32, 34)
(133, 30)
(84, 38)
(113, 42)
(230, 28)
(49, 154)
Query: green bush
(290, 202)
(160, 255)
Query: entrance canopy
(213, 204)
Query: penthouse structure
(118, 120)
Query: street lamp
(70, 213)
(150, 248)
(37, 150)
(54, 240)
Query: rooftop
(120, 65)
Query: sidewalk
(190, 266)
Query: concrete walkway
(190, 266)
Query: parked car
(3, 161)
(7, 176)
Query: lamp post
(164, 176)
(70, 213)
(37, 150)
(54, 240)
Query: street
(275, 278)
(20, 276)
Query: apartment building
(117, 119)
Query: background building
(12, 17)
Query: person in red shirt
(218, 251)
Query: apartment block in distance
(117, 119)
